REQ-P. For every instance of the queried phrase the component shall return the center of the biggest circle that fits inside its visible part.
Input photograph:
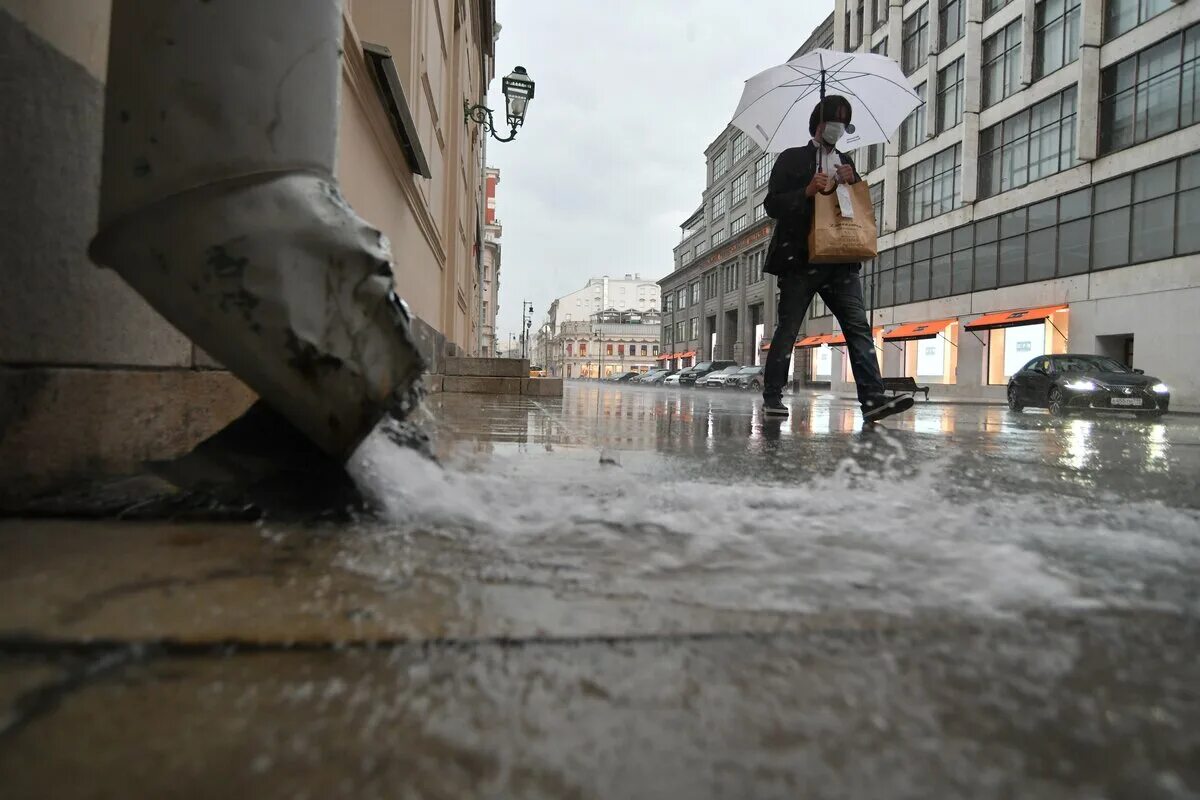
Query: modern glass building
(1046, 198)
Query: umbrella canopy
(777, 103)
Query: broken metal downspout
(219, 205)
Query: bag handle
(841, 159)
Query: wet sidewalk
(640, 593)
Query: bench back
(899, 383)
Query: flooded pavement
(634, 592)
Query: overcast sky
(611, 158)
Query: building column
(839, 24)
(1027, 20)
(891, 156)
(972, 101)
(1087, 100)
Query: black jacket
(792, 211)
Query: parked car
(674, 380)
(746, 378)
(716, 380)
(692, 374)
(1066, 383)
(623, 377)
(659, 377)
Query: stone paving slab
(941, 713)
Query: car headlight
(1160, 388)
(1081, 386)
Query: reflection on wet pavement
(638, 592)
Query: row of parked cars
(706, 374)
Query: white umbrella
(777, 103)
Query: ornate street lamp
(518, 91)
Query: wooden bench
(906, 385)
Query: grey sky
(611, 160)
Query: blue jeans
(841, 288)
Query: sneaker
(879, 408)
(774, 407)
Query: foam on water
(893, 540)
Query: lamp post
(518, 91)
(526, 324)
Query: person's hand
(819, 183)
(845, 174)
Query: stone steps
(507, 376)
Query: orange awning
(814, 341)
(912, 331)
(839, 339)
(662, 357)
(688, 354)
(1007, 319)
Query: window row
(930, 187)
(1151, 93)
(1147, 216)
(1032, 144)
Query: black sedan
(1067, 383)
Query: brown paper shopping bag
(834, 239)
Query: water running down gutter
(219, 205)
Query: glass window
(903, 285)
(921, 249)
(952, 22)
(1074, 247)
(1188, 226)
(887, 286)
(941, 244)
(963, 237)
(950, 96)
(1043, 215)
(1153, 229)
(881, 48)
(741, 185)
(912, 130)
(992, 6)
(1012, 260)
(922, 271)
(1113, 194)
(1121, 16)
(682, 302)
(696, 293)
(930, 187)
(879, 13)
(762, 170)
(941, 286)
(760, 212)
(1056, 35)
(961, 263)
(1075, 205)
(1150, 93)
(720, 164)
(987, 230)
(1032, 144)
(741, 146)
(915, 42)
(719, 204)
(1041, 255)
(1002, 64)
(1012, 223)
(877, 204)
(739, 225)
(1154, 182)
(718, 237)
(985, 266)
(1110, 239)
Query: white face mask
(832, 132)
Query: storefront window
(1009, 349)
(933, 360)
(822, 363)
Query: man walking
(799, 173)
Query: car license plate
(1127, 401)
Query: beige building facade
(92, 379)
